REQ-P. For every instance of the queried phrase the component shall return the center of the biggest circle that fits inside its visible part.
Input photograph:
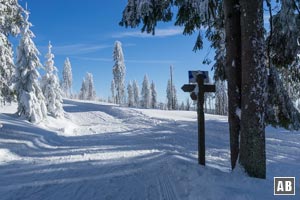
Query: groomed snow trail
(102, 151)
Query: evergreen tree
(91, 93)
(6, 69)
(12, 18)
(153, 96)
(130, 95)
(119, 71)
(188, 104)
(83, 90)
(136, 94)
(221, 101)
(146, 93)
(182, 107)
(172, 103)
(31, 101)
(67, 78)
(51, 88)
(254, 81)
(10, 24)
(112, 88)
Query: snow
(103, 151)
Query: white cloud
(127, 61)
(93, 59)
(78, 49)
(152, 61)
(158, 33)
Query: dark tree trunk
(252, 147)
(233, 73)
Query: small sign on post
(201, 79)
(193, 76)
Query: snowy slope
(102, 151)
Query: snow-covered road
(102, 151)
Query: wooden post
(200, 116)
(202, 88)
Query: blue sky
(85, 31)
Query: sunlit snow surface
(103, 151)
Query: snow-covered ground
(102, 151)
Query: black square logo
(284, 185)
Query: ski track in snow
(102, 151)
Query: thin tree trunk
(252, 148)
(233, 73)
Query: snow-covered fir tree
(221, 100)
(87, 91)
(6, 69)
(91, 93)
(83, 90)
(153, 95)
(119, 71)
(51, 88)
(31, 101)
(130, 94)
(172, 103)
(11, 20)
(67, 78)
(11, 17)
(146, 93)
(188, 104)
(112, 89)
(182, 107)
(136, 94)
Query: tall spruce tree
(67, 78)
(7, 69)
(153, 95)
(146, 93)
(31, 101)
(90, 93)
(112, 89)
(119, 71)
(10, 25)
(172, 103)
(221, 101)
(83, 90)
(136, 94)
(130, 95)
(51, 87)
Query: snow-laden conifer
(172, 103)
(119, 71)
(31, 101)
(11, 18)
(67, 78)
(83, 90)
(221, 101)
(87, 91)
(51, 88)
(91, 93)
(146, 93)
(153, 95)
(130, 95)
(136, 94)
(112, 89)
(6, 69)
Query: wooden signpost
(198, 95)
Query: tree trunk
(233, 73)
(252, 147)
